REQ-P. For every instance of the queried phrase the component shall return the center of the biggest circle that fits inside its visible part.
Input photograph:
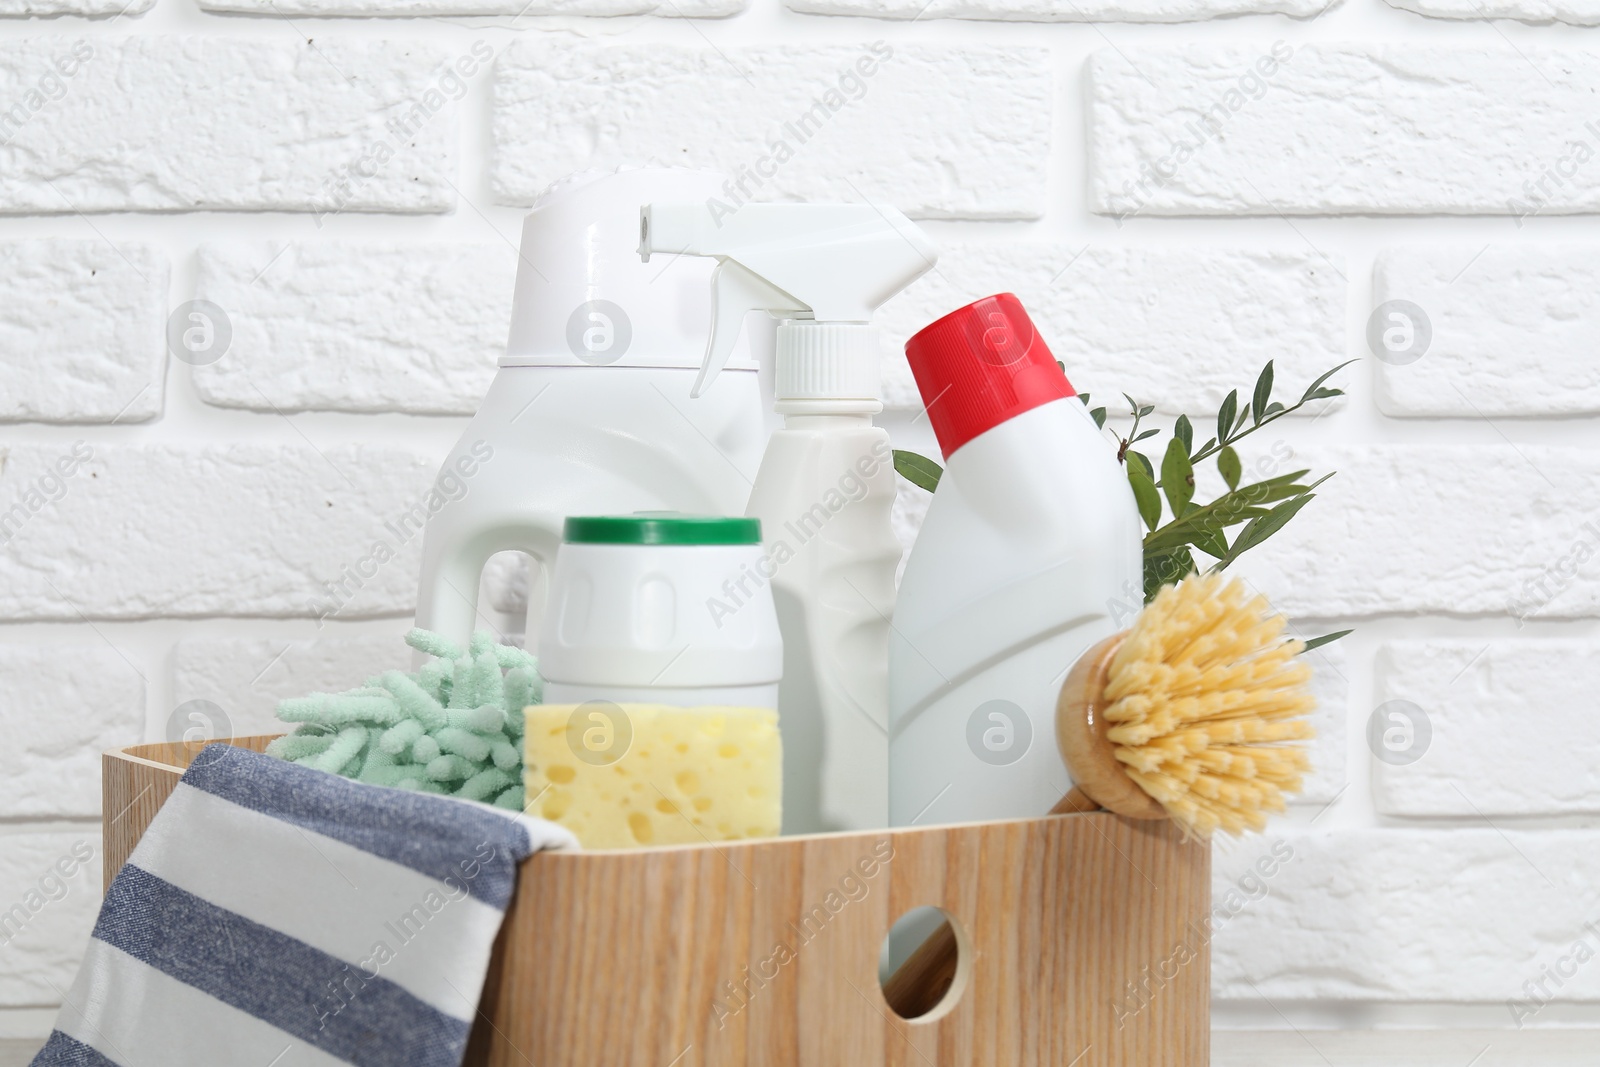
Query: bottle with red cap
(1029, 554)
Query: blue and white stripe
(273, 914)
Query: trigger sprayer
(822, 269)
(826, 484)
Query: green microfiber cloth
(454, 727)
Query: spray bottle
(826, 485)
(587, 414)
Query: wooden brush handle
(1076, 802)
(1081, 729)
(924, 978)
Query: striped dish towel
(277, 915)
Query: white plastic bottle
(627, 619)
(1030, 553)
(826, 484)
(589, 413)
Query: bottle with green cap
(661, 608)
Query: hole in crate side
(923, 964)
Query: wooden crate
(1083, 944)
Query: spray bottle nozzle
(822, 263)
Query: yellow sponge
(635, 775)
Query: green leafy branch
(1263, 508)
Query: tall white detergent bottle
(826, 484)
(589, 412)
(1030, 553)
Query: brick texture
(1512, 727)
(1270, 129)
(1173, 327)
(81, 331)
(217, 123)
(1403, 528)
(789, 122)
(49, 896)
(357, 327)
(65, 704)
(1512, 330)
(246, 677)
(1407, 915)
(140, 531)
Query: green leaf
(1062, 365)
(1225, 414)
(920, 471)
(1177, 478)
(1320, 394)
(1314, 386)
(1144, 463)
(1229, 466)
(1265, 526)
(1081, 396)
(1145, 495)
(1146, 409)
(1325, 639)
(1211, 442)
(1263, 393)
(1246, 502)
(1272, 409)
(1185, 433)
(1165, 569)
(1099, 417)
(1211, 541)
(1147, 433)
(1242, 416)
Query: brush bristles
(1205, 697)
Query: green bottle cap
(661, 528)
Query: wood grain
(765, 953)
(1081, 733)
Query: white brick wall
(1475, 763)
(356, 327)
(189, 123)
(1408, 528)
(846, 122)
(49, 894)
(1218, 313)
(81, 328)
(246, 677)
(64, 706)
(1578, 14)
(1487, 301)
(1346, 128)
(1176, 204)
(1054, 11)
(138, 531)
(1398, 915)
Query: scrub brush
(1191, 715)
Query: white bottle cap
(583, 298)
(827, 361)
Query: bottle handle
(447, 597)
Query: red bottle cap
(981, 365)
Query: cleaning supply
(1191, 715)
(632, 775)
(454, 727)
(275, 914)
(1030, 543)
(826, 484)
(661, 608)
(588, 413)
